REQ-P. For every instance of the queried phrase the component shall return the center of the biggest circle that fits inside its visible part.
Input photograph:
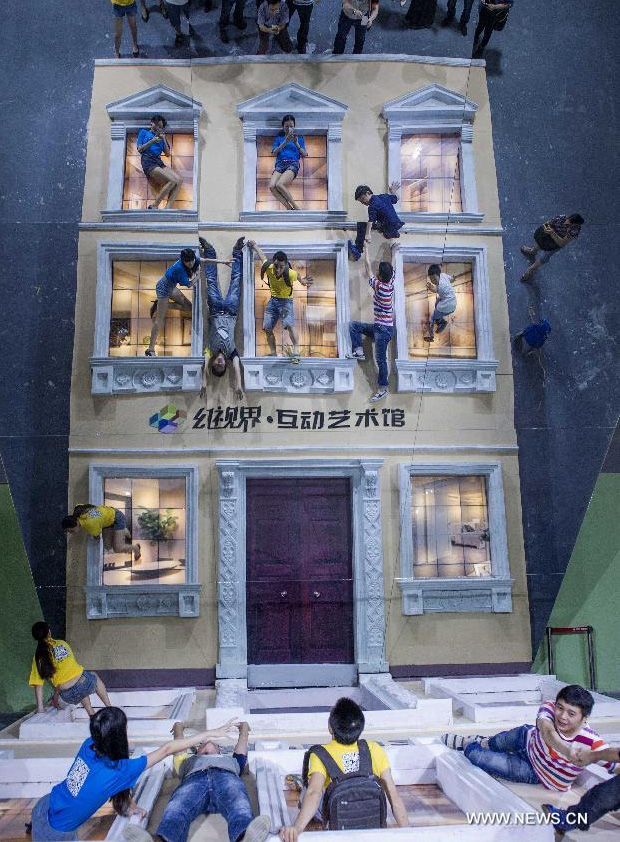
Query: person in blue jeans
(381, 216)
(381, 330)
(210, 783)
(220, 349)
(359, 14)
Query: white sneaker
(356, 355)
(257, 830)
(378, 395)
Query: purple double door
(299, 571)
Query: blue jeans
(381, 334)
(344, 27)
(602, 798)
(376, 226)
(217, 303)
(437, 316)
(174, 14)
(465, 14)
(506, 756)
(42, 831)
(211, 791)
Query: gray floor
(552, 83)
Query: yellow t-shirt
(64, 661)
(278, 286)
(123, 2)
(179, 759)
(96, 519)
(348, 759)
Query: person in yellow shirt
(102, 522)
(346, 723)
(54, 660)
(280, 278)
(122, 9)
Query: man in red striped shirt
(545, 753)
(382, 329)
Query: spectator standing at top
(236, 6)
(360, 14)
(465, 14)
(491, 16)
(273, 20)
(550, 237)
(125, 9)
(174, 14)
(304, 11)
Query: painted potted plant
(157, 525)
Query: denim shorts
(42, 831)
(283, 166)
(120, 521)
(150, 163)
(276, 309)
(124, 11)
(83, 687)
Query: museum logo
(169, 419)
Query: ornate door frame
(368, 610)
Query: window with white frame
(430, 151)
(160, 507)
(454, 551)
(318, 186)
(321, 322)
(130, 192)
(127, 274)
(460, 359)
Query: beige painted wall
(115, 423)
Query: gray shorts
(42, 831)
(83, 687)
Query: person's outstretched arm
(177, 745)
(242, 742)
(396, 802)
(583, 757)
(309, 806)
(367, 263)
(552, 738)
(237, 380)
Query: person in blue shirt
(381, 216)
(182, 273)
(152, 144)
(289, 148)
(532, 337)
(102, 771)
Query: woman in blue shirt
(152, 144)
(102, 770)
(289, 148)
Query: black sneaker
(224, 36)
(179, 40)
(447, 20)
(238, 246)
(441, 326)
(192, 31)
(463, 28)
(240, 23)
(153, 309)
(205, 245)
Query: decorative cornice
(285, 59)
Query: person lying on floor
(210, 783)
(545, 753)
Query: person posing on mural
(223, 312)
(102, 771)
(102, 522)
(445, 303)
(381, 330)
(182, 273)
(289, 148)
(55, 662)
(381, 216)
(152, 144)
(280, 279)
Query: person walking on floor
(359, 14)
(175, 7)
(145, 13)
(491, 16)
(465, 14)
(272, 20)
(125, 9)
(304, 11)
(237, 7)
(550, 237)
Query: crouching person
(210, 783)
(348, 779)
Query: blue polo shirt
(92, 780)
(176, 274)
(381, 210)
(536, 334)
(144, 135)
(289, 152)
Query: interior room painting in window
(430, 174)
(314, 307)
(450, 526)
(458, 339)
(133, 296)
(156, 510)
(308, 189)
(139, 191)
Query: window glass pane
(133, 295)
(156, 514)
(430, 174)
(458, 339)
(314, 308)
(139, 191)
(308, 189)
(450, 527)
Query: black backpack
(354, 800)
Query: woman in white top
(445, 303)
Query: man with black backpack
(348, 779)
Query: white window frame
(313, 375)
(114, 601)
(140, 375)
(449, 375)
(131, 114)
(435, 110)
(484, 594)
(314, 114)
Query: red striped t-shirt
(383, 301)
(553, 770)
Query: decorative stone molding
(369, 618)
(140, 375)
(132, 113)
(314, 114)
(147, 600)
(313, 375)
(446, 376)
(232, 693)
(383, 688)
(435, 110)
(480, 594)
